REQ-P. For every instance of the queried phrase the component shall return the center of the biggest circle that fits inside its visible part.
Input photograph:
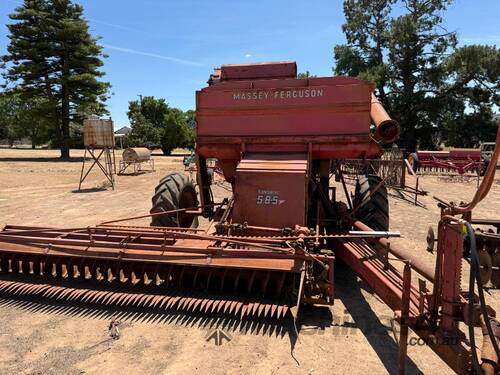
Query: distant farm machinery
(455, 161)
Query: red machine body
(265, 108)
(255, 119)
(271, 190)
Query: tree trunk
(65, 112)
(33, 143)
(65, 124)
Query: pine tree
(51, 54)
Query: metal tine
(230, 305)
(37, 288)
(146, 279)
(169, 274)
(239, 305)
(193, 306)
(214, 305)
(98, 274)
(145, 299)
(273, 309)
(88, 273)
(151, 301)
(58, 289)
(285, 310)
(110, 277)
(128, 297)
(50, 291)
(280, 310)
(122, 277)
(110, 299)
(261, 309)
(122, 298)
(137, 299)
(64, 293)
(181, 302)
(53, 271)
(156, 300)
(93, 296)
(195, 303)
(88, 295)
(42, 268)
(251, 308)
(133, 278)
(4, 284)
(206, 305)
(158, 279)
(22, 289)
(220, 305)
(76, 271)
(12, 287)
(31, 269)
(169, 301)
(64, 271)
(103, 296)
(159, 301)
(185, 301)
(255, 307)
(76, 294)
(21, 265)
(204, 302)
(244, 309)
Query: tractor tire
(375, 209)
(174, 191)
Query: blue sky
(168, 48)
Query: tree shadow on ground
(78, 159)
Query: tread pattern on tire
(375, 212)
(167, 196)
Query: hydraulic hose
(475, 277)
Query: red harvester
(271, 247)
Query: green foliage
(306, 74)
(156, 125)
(472, 92)
(21, 118)
(52, 55)
(432, 88)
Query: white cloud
(248, 55)
(149, 54)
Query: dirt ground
(352, 337)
